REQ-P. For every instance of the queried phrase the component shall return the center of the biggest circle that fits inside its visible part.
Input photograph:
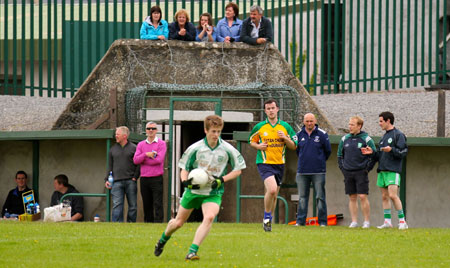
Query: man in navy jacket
(313, 150)
(256, 29)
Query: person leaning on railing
(257, 29)
(153, 27)
(181, 28)
(62, 187)
(229, 28)
(205, 30)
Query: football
(199, 177)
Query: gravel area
(22, 113)
(415, 110)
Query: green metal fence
(48, 48)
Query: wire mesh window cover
(137, 99)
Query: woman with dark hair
(229, 28)
(205, 30)
(153, 27)
(181, 28)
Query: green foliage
(38, 244)
(299, 64)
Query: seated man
(257, 29)
(14, 203)
(62, 187)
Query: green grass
(40, 244)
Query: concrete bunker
(242, 76)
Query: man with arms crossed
(313, 150)
(390, 156)
(355, 167)
(270, 138)
(211, 154)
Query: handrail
(107, 195)
(286, 207)
(241, 136)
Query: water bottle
(97, 218)
(29, 209)
(37, 207)
(110, 179)
(6, 213)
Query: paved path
(21, 113)
(415, 111)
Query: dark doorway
(193, 131)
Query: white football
(199, 177)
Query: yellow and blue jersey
(264, 132)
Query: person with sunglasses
(150, 154)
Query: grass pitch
(91, 244)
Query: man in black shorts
(356, 166)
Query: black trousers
(152, 198)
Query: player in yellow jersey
(270, 138)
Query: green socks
(401, 215)
(193, 248)
(164, 238)
(387, 216)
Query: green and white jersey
(213, 160)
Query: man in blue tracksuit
(313, 150)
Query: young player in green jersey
(211, 154)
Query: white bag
(57, 213)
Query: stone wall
(133, 63)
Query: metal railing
(107, 195)
(49, 47)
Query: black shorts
(356, 181)
(267, 170)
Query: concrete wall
(84, 161)
(14, 156)
(427, 188)
(133, 63)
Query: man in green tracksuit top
(356, 166)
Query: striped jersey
(213, 160)
(276, 149)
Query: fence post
(441, 114)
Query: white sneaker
(353, 225)
(385, 225)
(366, 225)
(402, 225)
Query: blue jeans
(303, 186)
(118, 192)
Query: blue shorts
(267, 170)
